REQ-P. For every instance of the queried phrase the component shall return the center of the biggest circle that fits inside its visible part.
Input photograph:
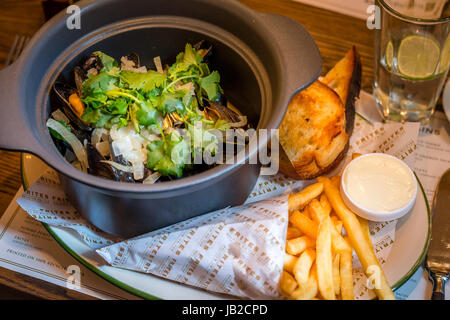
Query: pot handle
(302, 60)
(15, 135)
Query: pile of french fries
(318, 260)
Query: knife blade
(438, 257)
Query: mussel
(93, 62)
(96, 166)
(172, 120)
(101, 169)
(64, 93)
(122, 176)
(80, 76)
(215, 111)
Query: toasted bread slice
(312, 133)
(345, 79)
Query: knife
(438, 257)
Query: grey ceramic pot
(263, 60)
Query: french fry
(298, 201)
(306, 212)
(365, 227)
(324, 260)
(287, 283)
(325, 203)
(357, 238)
(289, 262)
(336, 275)
(303, 266)
(310, 290)
(337, 242)
(304, 224)
(293, 232)
(338, 224)
(298, 245)
(317, 211)
(336, 181)
(346, 275)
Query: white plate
(412, 237)
(446, 100)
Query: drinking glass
(412, 57)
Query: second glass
(412, 58)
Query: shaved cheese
(129, 65)
(158, 64)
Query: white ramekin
(375, 215)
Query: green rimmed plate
(407, 253)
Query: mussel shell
(224, 112)
(93, 61)
(96, 167)
(80, 76)
(63, 92)
(123, 176)
(101, 169)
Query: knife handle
(439, 283)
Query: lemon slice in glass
(389, 56)
(418, 56)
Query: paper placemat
(26, 247)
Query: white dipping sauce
(379, 183)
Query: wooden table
(334, 34)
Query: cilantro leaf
(187, 63)
(145, 81)
(96, 99)
(191, 56)
(97, 117)
(168, 156)
(119, 106)
(210, 84)
(101, 82)
(172, 102)
(146, 114)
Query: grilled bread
(315, 131)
